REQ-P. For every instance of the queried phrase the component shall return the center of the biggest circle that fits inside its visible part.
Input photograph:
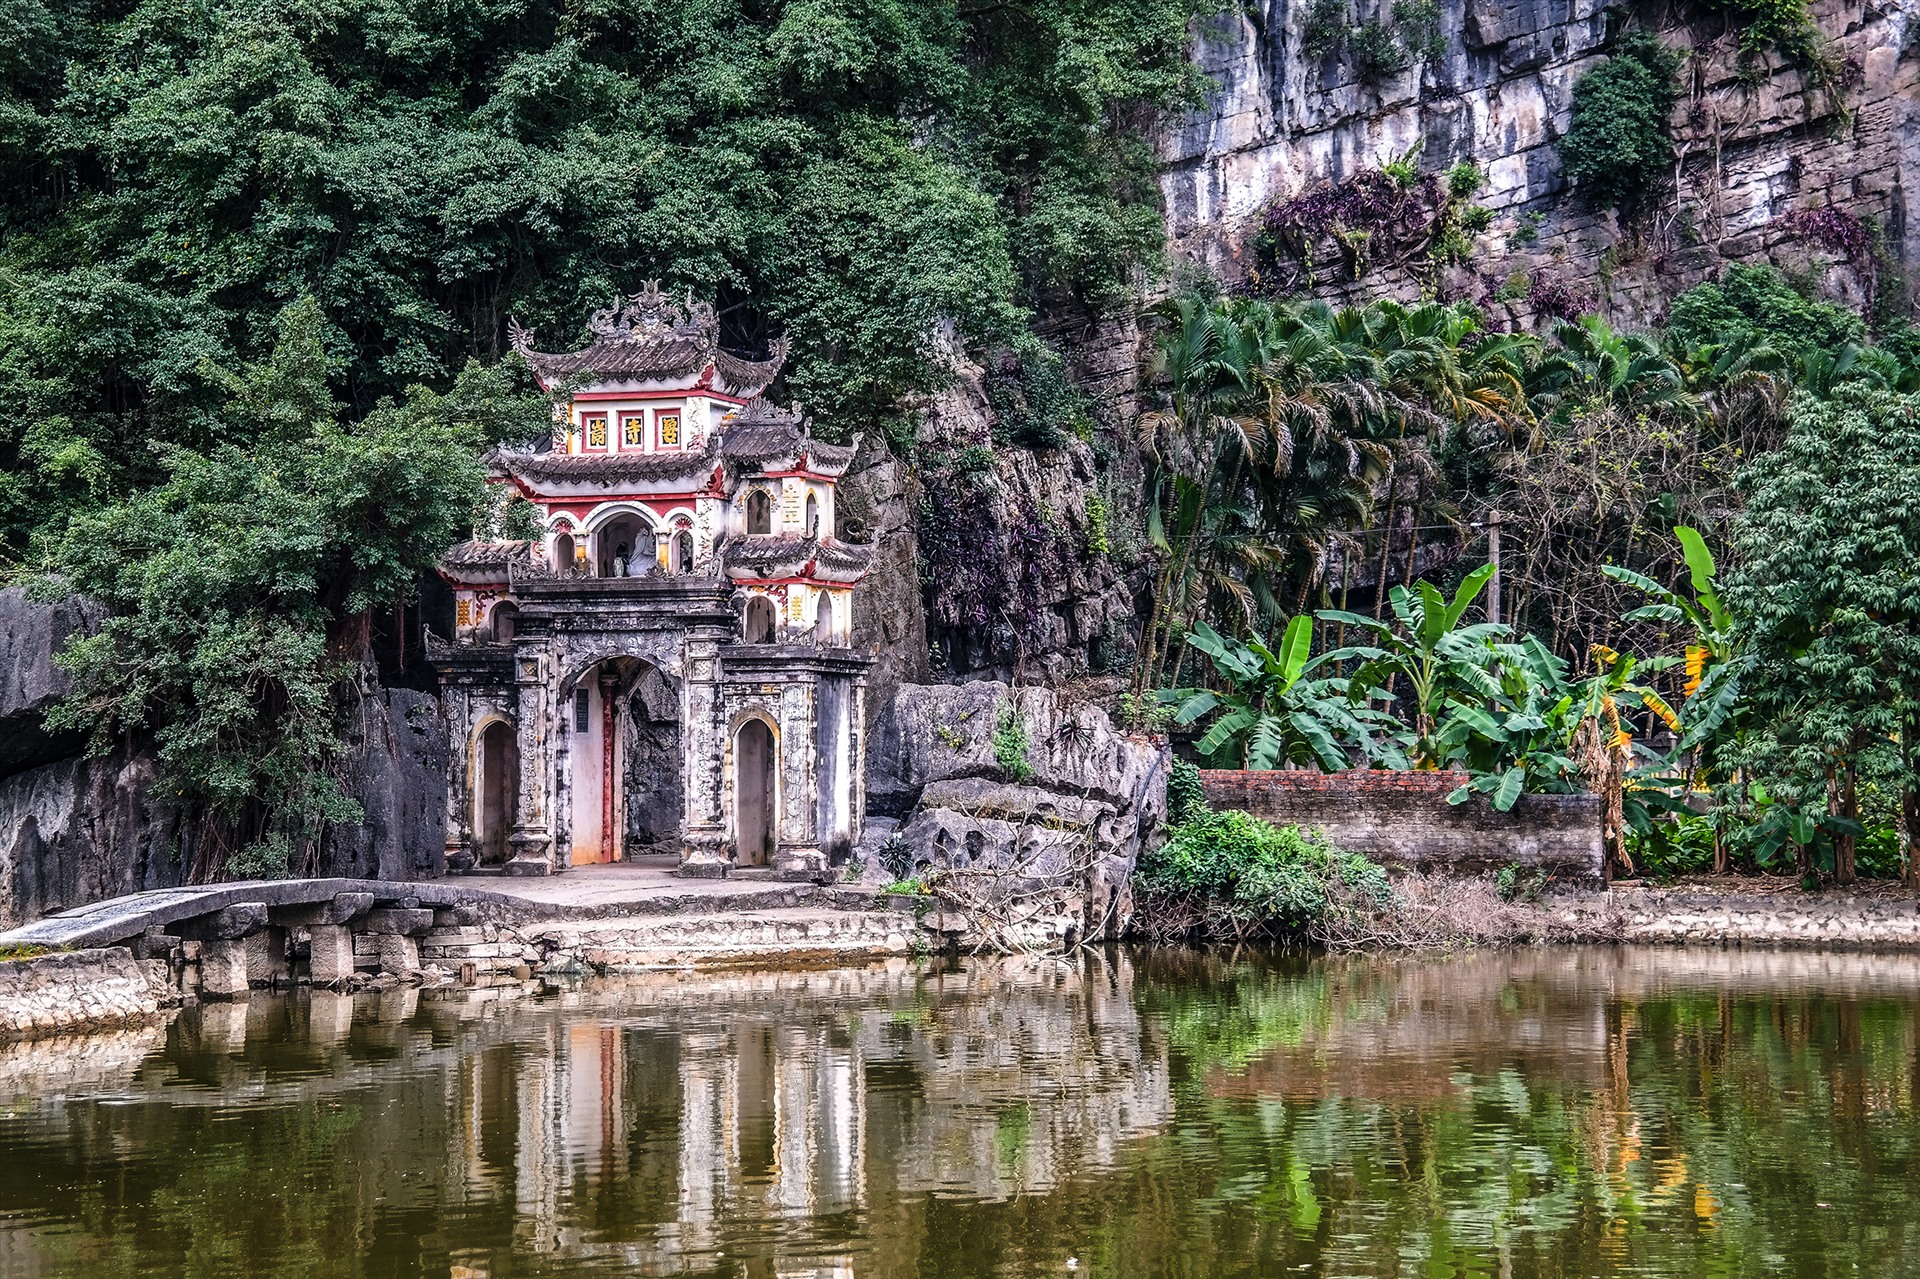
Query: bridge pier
(330, 954)
(223, 969)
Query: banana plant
(1273, 709)
(1524, 742)
(1714, 664)
(1427, 646)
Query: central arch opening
(754, 791)
(496, 794)
(759, 620)
(625, 545)
(624, 771)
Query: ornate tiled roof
(603, 468)
(764, 433)
(791, 555)
(479, 561)
(649, 335)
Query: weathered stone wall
(1403, 819)
(1092, 793)
(79, 990)
(1751, 148)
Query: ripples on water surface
(1553, 1113)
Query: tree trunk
(1846, 805)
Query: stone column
(532, 837)
(456, 712)
(704, 850)
(266, 958)
(797, 853)
(223, 969)
(330, 954)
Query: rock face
(1092, 796)
(1755, 142)
(84, 829)
(1028, 559)
(397, 769)
(76, 828)
(31, 632)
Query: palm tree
(1592, 366)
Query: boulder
(31, 632)
(1087, 794)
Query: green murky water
(1568, 1112)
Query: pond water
(1547, 1112)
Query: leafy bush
(1325, 28)
(1185, 801)
(1376, 51)
(1275, 877)
(1755, 305)
(1010, 744)
(1618, 147)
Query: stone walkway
(648, 886)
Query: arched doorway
(683, 552)
(625, 546)
(563, 554)
(755, 793)
(823, 622)
(624, 763)
(496, 792)
(759, 620)
(813, 516)
(759, 512)
(506, 619)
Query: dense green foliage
(1617, 146)
(1755, 306)
(1299, 442)
(1827, 597)
(1250, 874)
(240, 586)
(175, 174)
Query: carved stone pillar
(532, 837)
(797, 853)
(704, 849)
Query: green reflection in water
(1554, 1112)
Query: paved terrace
(644, 887)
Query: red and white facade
(671, 501)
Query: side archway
(496, 791)
(756, 792)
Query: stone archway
(758, 622)
(755, 793)
(624, 776)
(496, 792)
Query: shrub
(1618, 147)
(1756, 305)
(1010, 743)
(1419, 23)
(1275, 878)
(1376, 51)
(1325, 28)
(1185, 801)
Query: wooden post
(1493, 558)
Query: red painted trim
(702, 390)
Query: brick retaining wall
(1402, 818)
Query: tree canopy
(177, 173)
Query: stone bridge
(253, 932)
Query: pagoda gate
(666, 667)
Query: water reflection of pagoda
(645, 1139)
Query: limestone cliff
(1755, 142)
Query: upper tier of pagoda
(649, 339)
